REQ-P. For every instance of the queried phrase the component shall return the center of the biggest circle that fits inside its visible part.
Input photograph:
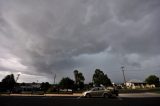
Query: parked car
(100, 92)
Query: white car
(98, 92)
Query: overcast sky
(40, 38)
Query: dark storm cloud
(135, 9)
(54, 35)
(140, 32)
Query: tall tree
(9, 82)
(79, 79)
(66, 83)
(100, 78)
(76, 76)
(152, 79)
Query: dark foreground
(75, 101)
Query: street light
(14, 86)
(18, 77)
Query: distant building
(135, 84)
(30, 86)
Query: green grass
(154, 90)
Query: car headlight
(84, 93)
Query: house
(134, 84)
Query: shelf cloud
(41, 37)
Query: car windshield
(96, 89)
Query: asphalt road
(76, 101)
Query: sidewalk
(74, 94)
(130, 95)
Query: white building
(134, 84)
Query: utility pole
(54, 78)
(123, 74)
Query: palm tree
(76, 76)
(79, 79)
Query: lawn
(153, 90)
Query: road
(122, 100)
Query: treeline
(99, 78)
(9, 83)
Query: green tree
(152, 79)
(66, 83)
(45, 86)
(8, 82)
(79, 79)
(100, 78)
